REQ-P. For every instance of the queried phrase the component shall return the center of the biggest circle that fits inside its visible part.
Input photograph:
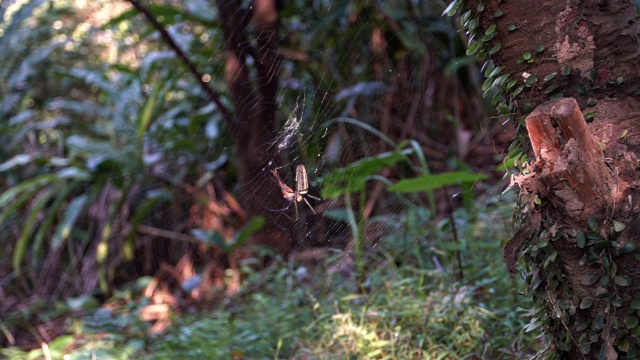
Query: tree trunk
(580, 218)
(252, 125)
(254, 99)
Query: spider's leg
(283, 209)
(295, 204)
(309, 205)
(313, 197)
(282, 227)
(282, 212)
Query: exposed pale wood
(569, 159)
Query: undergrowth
(412, 305)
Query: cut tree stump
(569, 177)
(569, 156)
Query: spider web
(311, 135)
(338, 124)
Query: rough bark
(254, 100)
(580, 211)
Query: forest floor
(412, 304)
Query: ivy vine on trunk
(567, 73)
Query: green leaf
(434, 182)
(534, 324)
(614, 270)
(456, 64)
(145, 117)
(71, 214)
(27, 228)
(551, 88)
(500, 80)
(617, 301)
(480, 7)
(26, 186)
(598, 322)
(19, 201)
(606, 265)
(602, 243)
(485, 39)
(526, 55)
(153, 199)
(585, 348)
(593, 224)
(624, 134)
(636, 304)
(243, 235)
(17, 160)
(491, 30)
(590, 280)
(497, 97)
(239, 238)
(504, 109)
(412, 43)
(511, 27)
(364, 126)
(622, 281)
(59, 344)
(631, 321)
(618, 226)
(539, 48)
(498, 13)
(495, 72)
(582, 90)
(207, 237)
(628, 247)
(623, 345)
(517, 91)
(473, 25)
(583, 325)
(352, 179)
(495, 48)
(550, 76)
(52, 210)
(336, 214)
(473, 48)
(466, 16)
(452, 8)
(581, 239)
(586, 303)
(487, 68)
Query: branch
(212, 95)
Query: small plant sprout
(624, 134)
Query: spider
(301, 192)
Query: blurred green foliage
(412, 307)
(102, 133)
(106, 129)
(106, 126)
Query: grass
(412, 306)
